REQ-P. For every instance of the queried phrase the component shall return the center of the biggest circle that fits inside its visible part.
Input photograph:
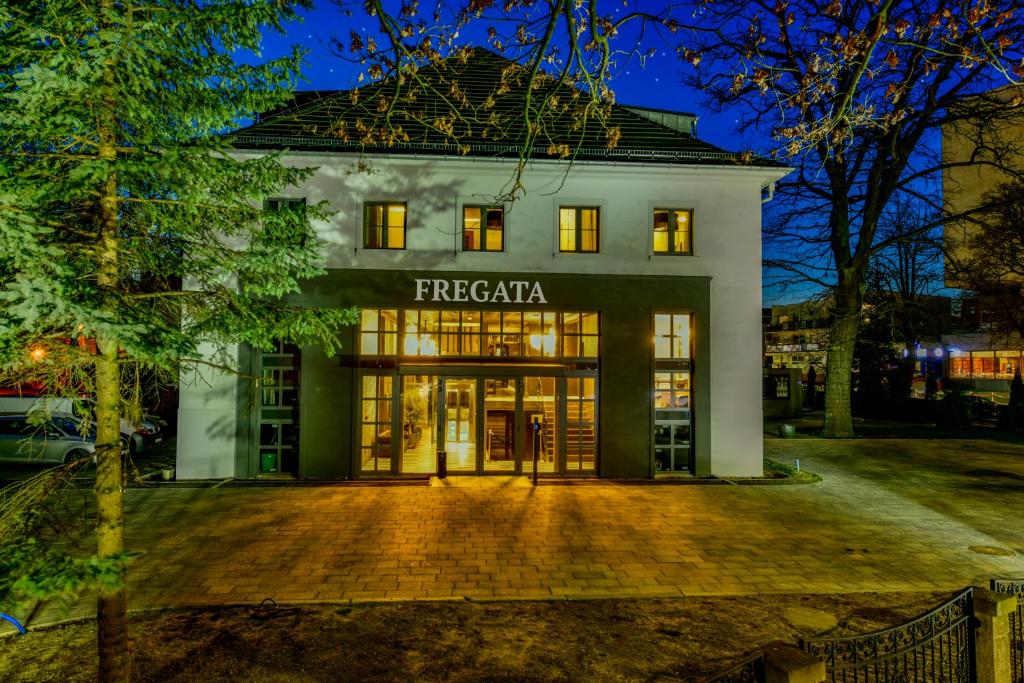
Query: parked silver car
(57, 440)
(140, 437)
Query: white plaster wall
(207, 419)
(726, 202)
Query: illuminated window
(453, 333)
(378, 332)
(581, 335)
(421, 333)
(578, 229)
(672, 393)
(375, 435)
(483, 228)
(672, 335)
(384, 225)
(672, 421)
(673, 231)
(581, 425)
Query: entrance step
(482, 482)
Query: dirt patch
(634, 640)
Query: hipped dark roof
(337, 120)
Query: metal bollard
(536, 446)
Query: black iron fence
(1014, 587)
(747, 670)
(936, 646)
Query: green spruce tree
(131, 237)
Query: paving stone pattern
(889, 516)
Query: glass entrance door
(460, 423)
(540, 408)
(500, 424)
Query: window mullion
(579, 230)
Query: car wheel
(75, 455)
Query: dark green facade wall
(627, 303)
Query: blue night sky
(654, 83)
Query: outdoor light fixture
(37, 353)
(938, 353)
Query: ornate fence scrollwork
(1014, 587)
(748, 670)
(936, 647)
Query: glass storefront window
(504, 334)
(378, 334)
(540, 334)
(470, 333)
(375, 433)
(1007, 363)
(492, 335)
(540, 405)
(419, 424)
(581, 425)
(672, 335)
(581, 335)
(672, 421)
(450, 338)
(960, 366)
(512, 334)
(421, 336)
(983, 364)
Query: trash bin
(268, 462)
(442, 464)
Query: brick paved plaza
(889, 516)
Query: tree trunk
(111, 608)
(839, 362)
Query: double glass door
(494, 425)
(486, 425)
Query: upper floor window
(673, 231)
(384, 225)
(578, 229)
(483, 228)
(280, 203)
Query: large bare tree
(854, 94)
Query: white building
(607, 323)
